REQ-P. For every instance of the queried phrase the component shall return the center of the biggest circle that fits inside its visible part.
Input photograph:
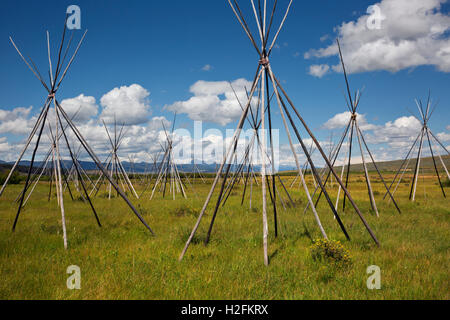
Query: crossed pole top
(169, 136)
(118, 138)
(58, 76)
(425, 112)
(352, 102)
(264, 28)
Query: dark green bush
(16, 178)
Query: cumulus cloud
(6, 115)
(207, 67)
(129, 105)
(16, 121)
(81, 108)
(142, 135)
(341, 120)
(4, 145)
(443, 137)
(397, 133)
(413, 33)
(213, 101)
(319, 70)
(403, 128)
(387, 142)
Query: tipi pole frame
(274, 200)
(235, 141)
(305, 186)
(412, 194)
(376, 168)
(308, 156)
(263, 171)
(403, 165)
(27, 144)
(219, 171)
(77, 169)
(349, 162)
(434, 163)
(100, 166)
(22, 198)
(366, 172)
(329, 165)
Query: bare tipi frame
(263, 77)
(168, 171)
(247, 163)
(352, 129)
(425, 135)
(115, 166)
(59, 132)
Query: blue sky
(164, 47)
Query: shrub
(446, 183)
(16, 178)
(330, 251)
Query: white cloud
(443, 137)
(140, 136)
(207, 67)
(213, 101)
(341, 120)
(6, 115)
(386, 142)
(319, 70)
(129, 105)
(4, 145)
(414, 33)
(324, 37)
(137, 139)
(84, 107)
(16, 121)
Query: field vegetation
(122, 260)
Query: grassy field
(122, 260)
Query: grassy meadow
(122, 260)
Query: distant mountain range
(141, 167)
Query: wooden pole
(366, 172)
(100, 166)
(263, 171)
(363, 220)
(376, 168)
(402, 165)
(22, 198)
(302, 179)
(349, 162)
(342, 174)
(86, 195)
(30, 138)
(59, 185)
(219, 171)
(434, 163)
(412, 194)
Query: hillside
(387, 166)
(426, 165)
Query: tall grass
(122, 260)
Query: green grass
(122, 260)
